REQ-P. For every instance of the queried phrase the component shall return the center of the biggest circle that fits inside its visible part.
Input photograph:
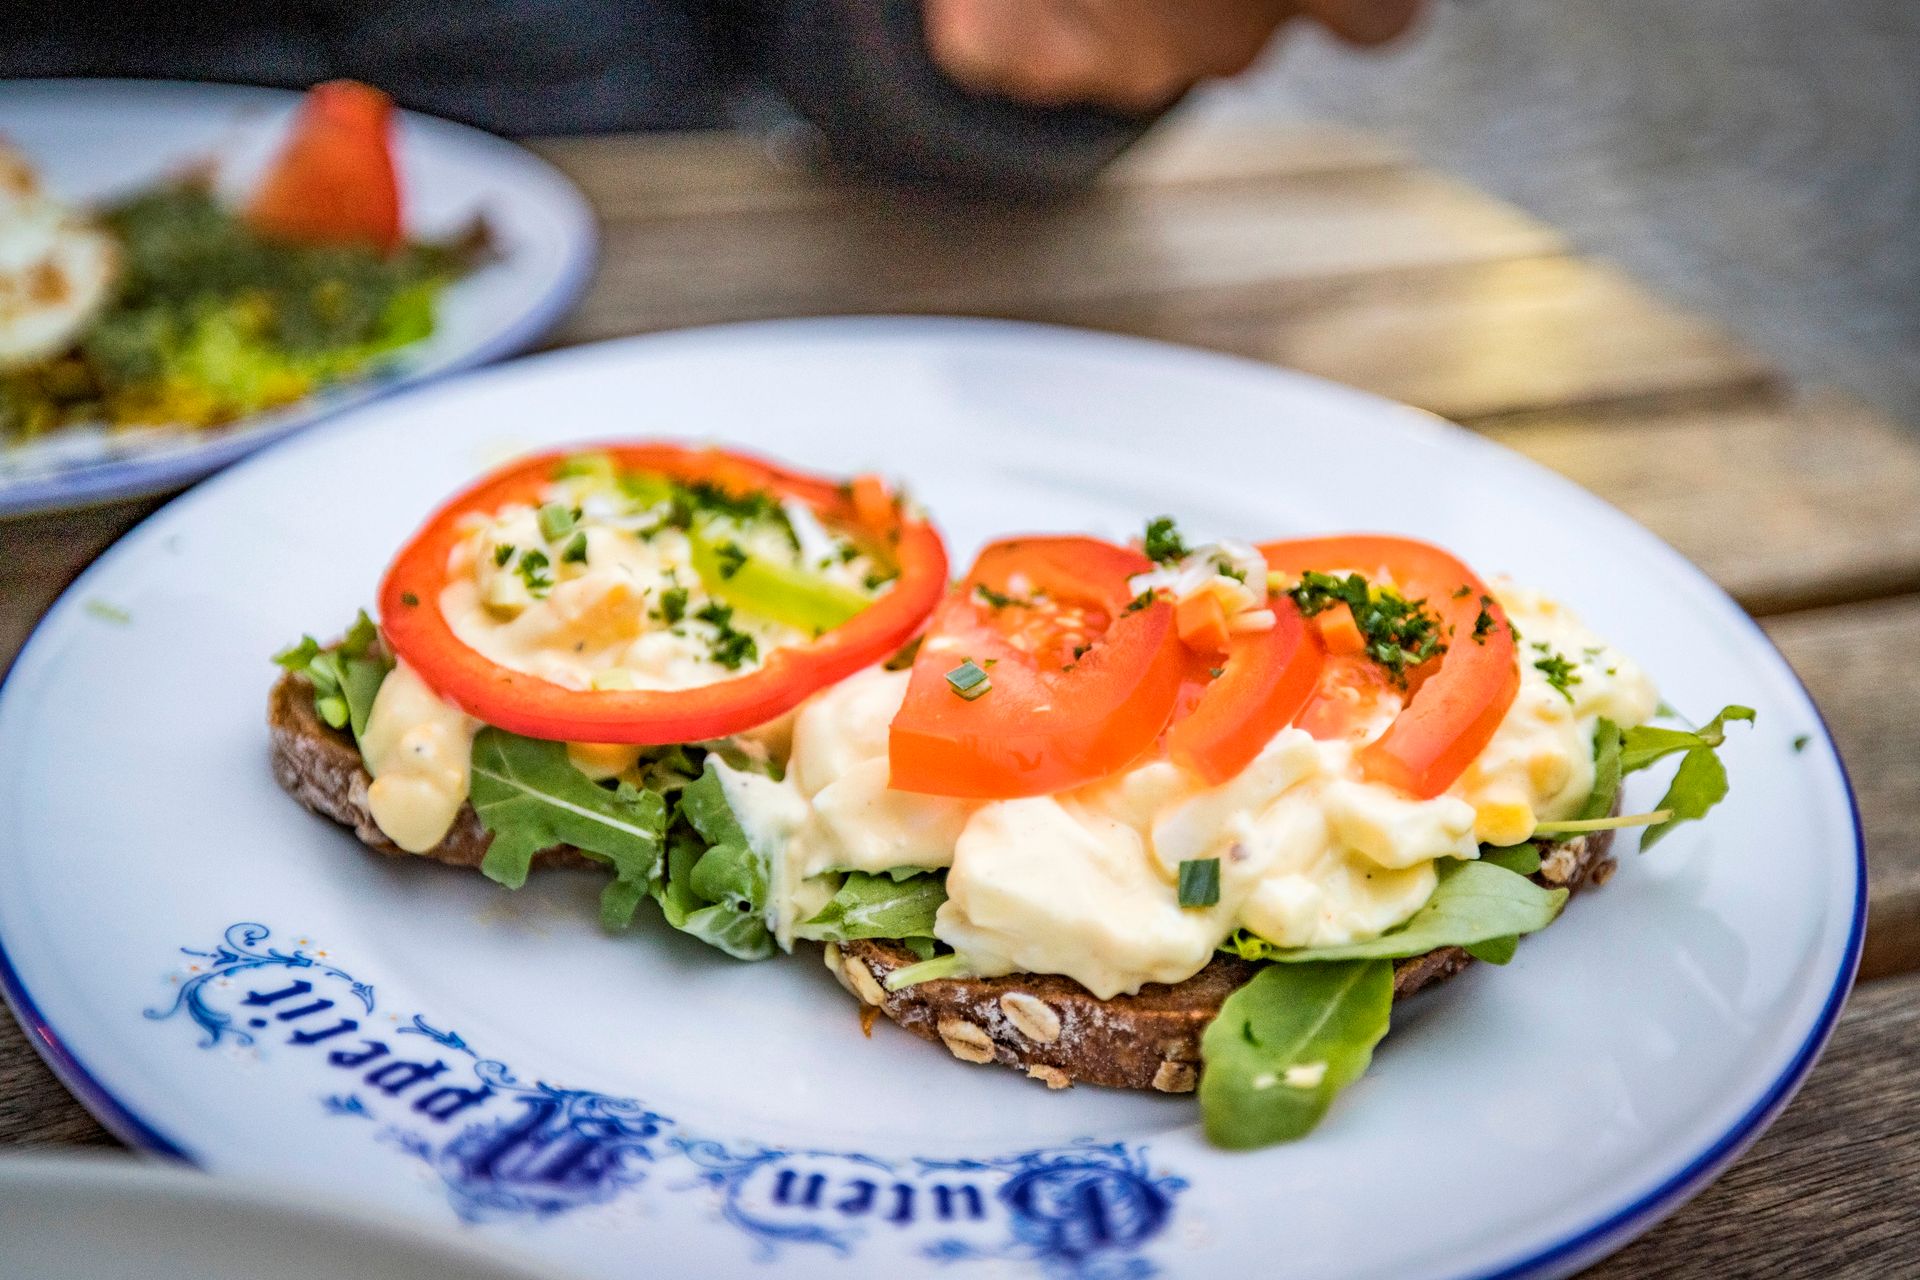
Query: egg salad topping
(643, 587)
(1086, 882)
(610, 583)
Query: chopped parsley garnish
(1228, 569)
(1800, 742)
(673, 604)
(968, 680)
(1399, 633)
(533, 571)
(409, 599)
(1216, 672)
(731, 648)
(700, 498)
(1463, 591)
(1483, 625)
(502, 554)
(875, 581)
(1163, 543)
(575, 552)
(557, 520)
(729, 557)
(1559, 672)
(1199, 882)
(1139, 602)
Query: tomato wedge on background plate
(1083, 676)
(418, 631)
(1459, 702)
(335, 181)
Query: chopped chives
(1199, 882)
(968, 680)
(557, 520)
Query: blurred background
(1758, 160)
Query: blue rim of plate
(136, 477)
(1586, 1245)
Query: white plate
(174, 923)
(100, 139)
(108, 1217)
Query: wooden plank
(1830, 1190)
(895, 252)
(42, 554)
(634, 176)
(34, 1106)
(1858, 664)
(1786, 504)
(1311, 248)
(1465, 342)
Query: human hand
(1132, 55)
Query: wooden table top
(1326, 251)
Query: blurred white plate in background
(99, 139)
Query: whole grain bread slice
(1049, 1026)
(320, 767)
(1058, 1032)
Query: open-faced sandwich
(170, 307)
(1151, 816)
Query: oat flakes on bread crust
(320, 767)
(1058, 1032)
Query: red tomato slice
(417, 630)
(1083, 681)
(1460, 701)
(334, 182)
(1267, 677)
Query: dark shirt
(857, 70)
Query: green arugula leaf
(1698, 784)
(1649, 743)
(1521, 859)
(1494, 950)
(1475, 902)
(1285, 1044)
(715, 886)
(1607, 741)
(1701, 780)
(345, 676)
(892, 873)
(878, 906)
(529, 795)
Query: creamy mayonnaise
(419, 751)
